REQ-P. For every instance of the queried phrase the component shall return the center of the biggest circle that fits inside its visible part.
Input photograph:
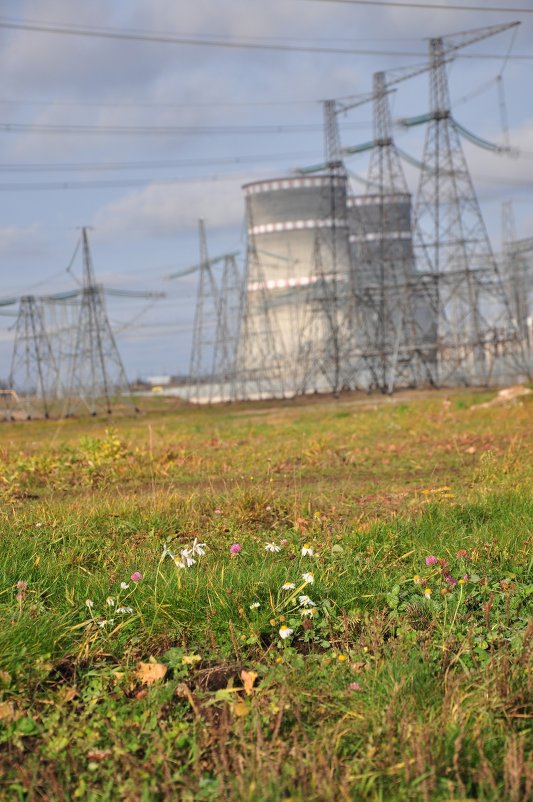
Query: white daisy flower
(272, 547)
(309, 611)
(186, 559)
(285, 632)
(307, 551)
(197, 548)
(305, 601)
(167, 553)
(308, 577)
(288, 586)
(254, 605)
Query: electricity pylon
(97, 375)
(228, 323)
(325, 358)
(478, 340)
(261, 362)
(516, 268)
(203, 338)
(34, 373)
(397, 330)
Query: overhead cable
(112, 184)
(199, 41)
(164, 130)
(430, 6)
(45, 167)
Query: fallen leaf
(248, 679)
(68, 694)
(148, 673)
(241, 709)
(99, 754)
(7, 711)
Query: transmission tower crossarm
(466, 38)
(198, 266)
(133, 293)
(521, 245)
(358, 100)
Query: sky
(139, 139)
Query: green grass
(382, 693)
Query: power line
(126, 182)
(175, 105)
(429, 6)
(169, 130)
(176, 39)
(149, 165)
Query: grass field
(354, 628)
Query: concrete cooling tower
(396, 304)
(298, 250)
(333, 298)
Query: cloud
(25, 243)
(502, 174)
(166, 211)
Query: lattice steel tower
(398, 324)
(203, 337)
(478, 340)
(34, 373)
(228, 325)
(97, 375)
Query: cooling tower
(380, 238)
(397, 320)
(297, 251)
(333, 298)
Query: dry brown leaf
(99, 754)
(7, 711)
(68, 694)
(248, 679)
(148, 673)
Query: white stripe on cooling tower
(296, 225)
(373, 237)
(276, 185)
(288, 283)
